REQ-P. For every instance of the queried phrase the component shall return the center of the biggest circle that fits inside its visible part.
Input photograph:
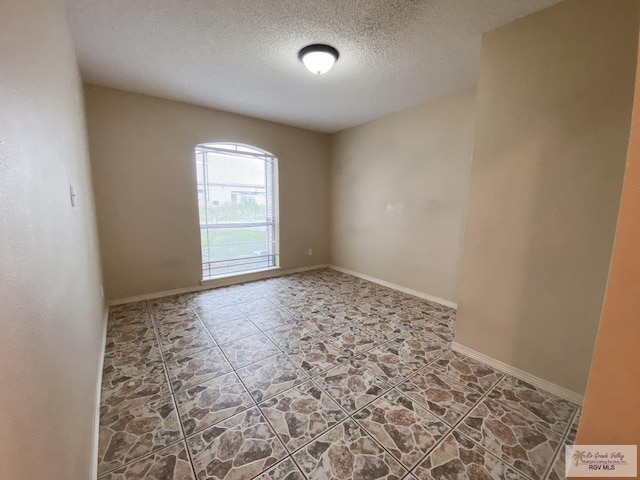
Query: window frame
(272, 222)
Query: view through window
(238, 210)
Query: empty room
(319, 240)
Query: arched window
(237, 198)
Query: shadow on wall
(553, 110)
(568, 222)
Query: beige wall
(399, 194)
(610, 414)
(51, 312)
(145, 182)
(553, 111)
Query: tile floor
(318, 375)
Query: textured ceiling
(241, 55)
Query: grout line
(146, 455)
(350, 416)
(464, 417)
(455, 425)
(480, 400)
(170, 394)
(309, 378)
(278, 463)
(561, 445)
(384, 449)
(313, 379)
(233, 368)
(426, 454)
(316, 437)
(299, 467)
(175, 403)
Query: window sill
(213, 281)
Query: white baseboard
(220, 282)
(415, 293)
(521, 374)
(96, 413)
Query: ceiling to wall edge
(267, 120)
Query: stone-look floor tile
(301, 414)
(443, 332)
(115, 374)
(293, 332)
(404, 428)
(209, 300)
(239, 296)
(352, 385)
(129, 315)
(347, 452)
(240, 447)
(122, 393)
(328, 324)
(557, 471)
(547, 409)
(316, 356)
(296, 340)
(177, 316)
(271, 376)
(366, 321)
(573, 430)
(249, 350)
(128, 435)
(441, 395)
(127, 322)
(511, 437)
(271, 319)
(355, 341)
(385, 362)
(558, 468)
(166, 329)
(256, 306)
(129, 308)
(217, 316)
(309, 311)
(287, 300)
(123, 336)
(132, 353)
(171, 463)
(194, 369)
(457, 457)
(351, 327)
(134, 318)
(241, 288)
(403, 316)
(173, 315)
(416, 350)
(169, 301)
(285, 470)
(233, 330)
(390, 330)
(339, 308)
(211, 402)
(468, 371)
(186, 341)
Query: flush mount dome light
(318, 58)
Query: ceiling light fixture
(318, 58)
